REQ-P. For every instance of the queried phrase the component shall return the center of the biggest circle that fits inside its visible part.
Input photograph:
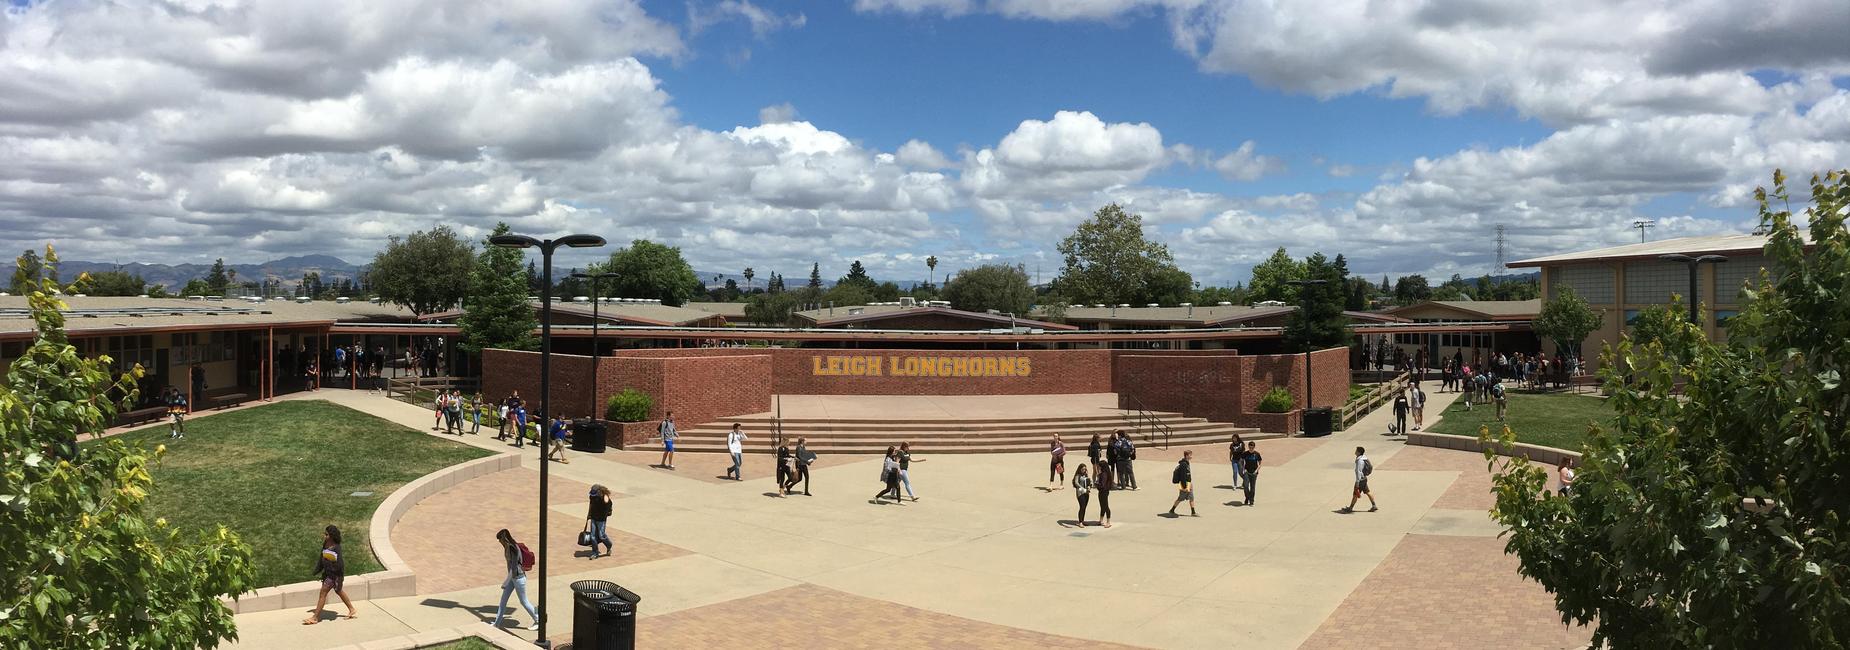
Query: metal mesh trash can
(603, 616)
(588, 435)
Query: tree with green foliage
(27, 270)
(1000, 287)
(1567, 320)
(886, 291)
(857, 275)
(1108, 259)
(1656, 323)
(748, 278)
(85, 565)
(1272, 278)
(421, 272)
(497, 314)
(730, 290)
(1412, 289)
(1359, 291)
(931, 269)
(1215, 295)
(116, 283)
(774, 284)
(815, 276)
(1717, 517)
(771, 308)
(1319, 322)
(196, 287)
(646, 269)
(844, 294)
(216, 279)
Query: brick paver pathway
(1437, 592)
(711, 467)
(449, 538)
(808, 616)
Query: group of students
(515, 422)
(895, 471)
(1111, 463)
(1410, 400)
(452, 409)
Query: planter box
(1285, 423)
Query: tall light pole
(546, 246)
(1304, 309)
(1693, 262)
(596, 350)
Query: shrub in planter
(1277, 400)
(631, 405)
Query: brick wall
(1330, 368)
(1052, 372)
(1196, 386)
(704, 389)
(505, 371)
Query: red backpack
(526, 557)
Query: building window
(1631, 318)
(1722, 316)
(1652, 283)
(1593, 284)
(1731, 275)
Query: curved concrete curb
(396, 579)
(1535, 453)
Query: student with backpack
(1401, 406)
(1185, 482)
(519, 561)
(1363, 467)
(669, 435)
(1502, 399)
(1417, 400)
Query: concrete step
(1071, 435)
(1106, 416)
(941, 445)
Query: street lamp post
(546, 246)
(596, 350)
(1304, 308)
(1693, 262)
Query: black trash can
(603, 616)
(588, 435)
(1318, 421)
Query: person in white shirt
(735, 444)
(1362, 469)
(1418, 402)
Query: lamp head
(1712, 259)
(579, 241)
(1676, 257)
(513, 241)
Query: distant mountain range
(288, 270)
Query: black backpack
(1177, 476)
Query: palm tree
(931, 263)
(748, 279)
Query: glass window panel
(1593, 284)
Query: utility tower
(1500, 250)
(1643, 224)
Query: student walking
(905, 464)
(1418, 403)
(333, 571)
(475, 414)
(1094, 450)
(598, 518)
(557, 435)
(518, 563)
(1235, 450)
(1185, 484)
(176, 411)
(1250, 462)
(1057, 468)
(889, 476)
(1502, 399)
(669, 435)
(1401, 406)
(508, 406)
(1362, 469)
(1082, 488)
(1106, 483)
(438, 406)
(520, 426)
(735, 445)
(804, 458)
(784, 472)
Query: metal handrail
(1144, 414)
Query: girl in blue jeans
(600, 517)
(516, 581)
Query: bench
(228, 401)
(139, 416)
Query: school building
(1622, 281)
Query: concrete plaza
(985, 558)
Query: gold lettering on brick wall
(919, 366)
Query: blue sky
(978, 131)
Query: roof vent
(1125, 305)
(1151, 305)
(855, 311)
(1098, 306)
(80, 295)
(908, 301)
(1224, 303)
(342, 300)
(140, 296)
(581, 299)
(993, 312)
(195, 297)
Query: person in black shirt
(804, 458)
(1252, 460)
(333, 571)
(507, 414)
(1185, 484)
(1093, 451)
(599, 519)
(1400, 414)
(905, 464)
(783, 470)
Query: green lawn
(1549, 419)
(466, 643)
(277, 474)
